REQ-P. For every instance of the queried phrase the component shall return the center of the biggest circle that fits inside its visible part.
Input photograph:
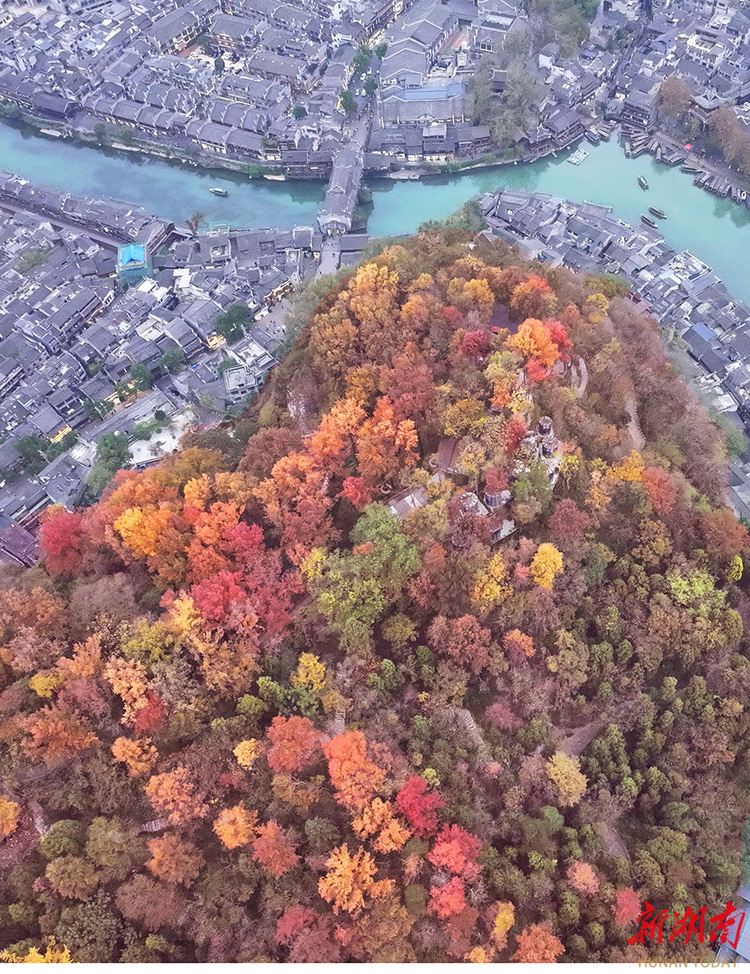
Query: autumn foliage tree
(537, 944)
(295, 744)
(456, 850)
(462, 640)
(10, 815)
(546, 565)
(419, 804)
(236, 826)
(566, 774)
(273, 850)
(448, 900)
(349, 879)
(355, 778)
(175, 860)
(174, 794)
(61, 538)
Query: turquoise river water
(715, 230)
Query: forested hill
(437, 654)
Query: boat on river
(657, 212)
(593, 137)
(217, 191)
(649, 222)
(643, 182)
(275, 177)
(693, 170)
(578, 156)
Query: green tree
(141, 375)
(98, 408)
(112, 454)
(348, 101)
(10, 111)
(736, 439)
(359, 62)
(114, 848)
(100, 133)
(32, 258)
(371, 86)
(90, 930)
(353, 589)
(195, 221)
(172, 360)
(33, 452)
(64, 838)
(230, 324)
(299, 112)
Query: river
(714, 230)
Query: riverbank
(190, 157)
(195, 160)
(173, 190)
(716, 178)
(714, 229)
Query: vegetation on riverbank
(724, 137)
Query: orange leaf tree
(236, 826)
(354, 776)
(174, 794)
(537, 944)
(295, 744)
(448, 900)
(175, 860)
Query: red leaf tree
(419, 806)
(448, 900)
(61, 540)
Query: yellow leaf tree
(246, 752)
(139, 757)
(504, 920)
(378, 819)
(236, 826)
(348, 880)
(310, 672)
(10, 814)
(570, 781)
(546, 565)
(53, 954)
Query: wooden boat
(649, 222)
(642, 182)
(217, 191)
(592, 137)
(691, 169)
(657, 212)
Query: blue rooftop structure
(704, 330)
(452, 90)
(133, 263)
(132, 253)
